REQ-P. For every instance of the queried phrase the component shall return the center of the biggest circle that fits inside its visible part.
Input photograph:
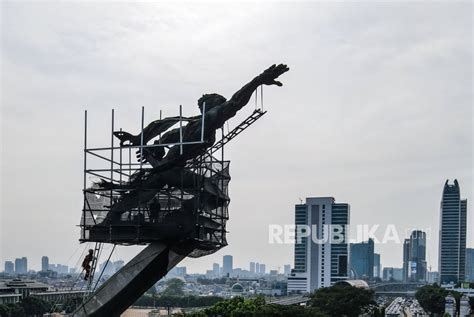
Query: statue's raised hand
(273, 72)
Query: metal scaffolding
(167, 216)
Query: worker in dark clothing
(86, 264)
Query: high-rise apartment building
(414, 257)
(216, 269)
(252, 267)
(227, 264)
(263, 269)
(452, 235)
(406, 258)
(44, 263)
(377, 266)
(321, 249)
(21, 265)
(469, 265)
(9, 267)
(417, 264)
(362, 259)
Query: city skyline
(359, 118)
(404, 261)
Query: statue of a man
(168, 167)
(217, 111)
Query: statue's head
(211, 101)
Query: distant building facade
(362, 259)
(414, 257)
(252, 267)
(287, 269)
(377, 266)
(326, 261)
(21, 265)
(432, 277)
(469, 265)
(392, 274)
(9, 267)
(216, 269)
(44, 263)
(64, 269)
(227, 265)
(406, 258)
(452, 235)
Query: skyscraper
(362, 259)
(9, 267)
(262, 269)
(406, 258)
(287, 269)
(227, 266)
(417, 257)
(44, 263)
(323, 260)
(452, 235)
(21, 265)
(252, 267)
(216, 269)
(469, 265)
(377, 266)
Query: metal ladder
(256, 114)
(95, 260)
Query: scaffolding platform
(129, 200)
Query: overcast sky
(376, 111)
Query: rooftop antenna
(301, 200)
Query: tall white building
(322, 256)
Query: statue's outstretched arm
(268, 77)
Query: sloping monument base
(122, 289)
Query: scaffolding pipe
(121, 162)
(180, 130)
(202, 120)
(102, 157)
(159, 140)
(141, 137)
(112, 157)
(85, 167)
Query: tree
(254, 307)
(432, 298)
(174, 287)
(342, 300)
(4, 310)
(34, 306)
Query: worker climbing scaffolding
(86, 264)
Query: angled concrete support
(130, 282)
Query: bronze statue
(168, 168)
